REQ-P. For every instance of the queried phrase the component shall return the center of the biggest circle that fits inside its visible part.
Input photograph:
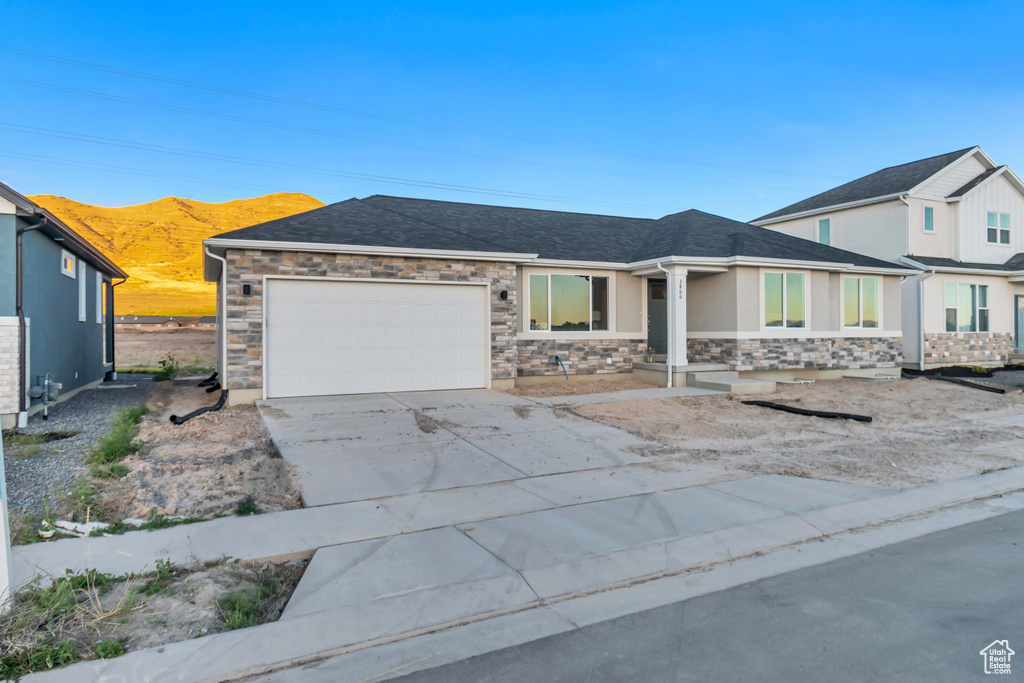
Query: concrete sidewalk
(526, 575)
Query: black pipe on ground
(209, 381)
(966, 383)
(808, 413)
(208, 409)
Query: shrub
(168, 368)
(242, 608)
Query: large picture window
(785, 298)
(568, 303)
(966, 308)
(860, 302)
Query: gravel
(37, 485)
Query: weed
(169, 367)
(138, 370)
(997, 469)
(15, 438)
(247, 507)
(83, 499)
(977, 369)
(160, 580)
(46, 654)
(108, 649)
(113, 471)
(242, 608)
(158, 521)
(25, 529)
(120, 441)
(28, 452)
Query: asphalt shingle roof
(1015, 262)
(974, 182)
(428, 224)
(888, 181)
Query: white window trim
(817, 229)
(82, 299)
(66, 256)
(570, 334)
(977, 308)
(924, 221)
(807, 300)
(99, 298)
(998, 230)
(860, 294)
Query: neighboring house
(56, 307)
(958, 218)
(393, 294)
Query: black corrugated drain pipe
(208, 409)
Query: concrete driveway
(348, 448)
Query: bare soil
(191, 346)
(923, 431)
(147, 611)
(570, 388)
(204, 467)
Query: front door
(1019, 320)
(657, 316)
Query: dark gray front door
(657, 316)
(1019, 320)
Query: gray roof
(974, 182)
(888, 181)
(1015, 262)
(397, 222)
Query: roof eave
(828, 209)
(725, 262)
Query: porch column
(677, 314)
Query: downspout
(920, 318)
(113, 344)
(20, 304)
(668, 321)
(223, 283)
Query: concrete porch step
(733, 385)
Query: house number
(681, 295)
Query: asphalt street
(917, 611)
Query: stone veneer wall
(9, 367)
(828, 353)
(950, 348)
(580, 357)
(245, 313)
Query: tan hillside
(159, 244)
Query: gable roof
(893, 180)
(56, 228)
(974, 182)
(403, 223)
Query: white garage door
(351, 337)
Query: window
(67, 264)
(81, 291)
(825, 231)
(568, 303)
(998, 228)
(929, 219)
(966, 308)
(860, 302)
(784, 300)
(99, 298)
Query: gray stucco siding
(58, 342)
(8, 302)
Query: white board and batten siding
(329, 337)
(999, 196)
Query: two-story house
(959, 219)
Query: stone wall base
(959, 348)
(580, 356)
(825, 353)
(10, 366)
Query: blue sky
(626, 108)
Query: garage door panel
(334, 337)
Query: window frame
(928, 224)
(547, 275)
(860, 302)
(83, 300)
(65, 257)
(976, 310)
(1000, 230)
(785, 302)
(817, 230)
(99, 298)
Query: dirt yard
(195, 347)
(564, 388)
(923, 431)
(206, 466)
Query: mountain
(159, 244)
